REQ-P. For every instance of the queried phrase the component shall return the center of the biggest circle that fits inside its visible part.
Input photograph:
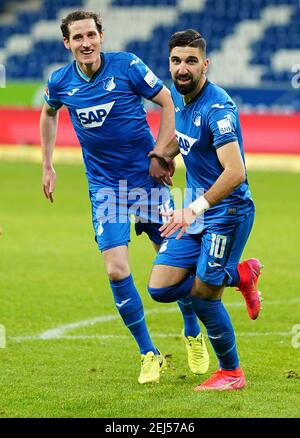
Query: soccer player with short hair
(103, 93)
(208, 235)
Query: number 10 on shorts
(218, 244)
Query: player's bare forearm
(48, 129)
(227, 182)
(232, 176)
(166, 146)
(167, 122)
(162, 169)
(167, 151)
(166, 128)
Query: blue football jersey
(109, 117)
(205, 124)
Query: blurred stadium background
(254, 47)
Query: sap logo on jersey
(185, 142)
(94, 116)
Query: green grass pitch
(51, 276)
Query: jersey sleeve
(50, 95)
(142, 80)
(222, 121)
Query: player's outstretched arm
(48, 129)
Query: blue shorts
(213, 254)
(113, 211)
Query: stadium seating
(129, 3)
(256, 42)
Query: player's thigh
(221, 249)
(174, 261)
(163, 276)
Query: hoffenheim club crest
(109, 84)
(197, 119)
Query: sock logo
(123, 302)
(214, 264)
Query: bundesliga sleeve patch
(150, 78)
(47, 93)
(224, 126)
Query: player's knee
(160, 294)
(167, 294)
(117, 271)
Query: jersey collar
(197, 95)
(85, 77)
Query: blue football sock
(191, 324)
(130, 307)
(233, 276)
(219, 330)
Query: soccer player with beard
(208, 235)
(103, 93)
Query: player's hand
(160, 171)
(49, 179)
(172, 167)
(178, 220)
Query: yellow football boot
(198, 358)
(152, 365)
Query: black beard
(185, 88)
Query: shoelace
(199, 353)
(147, 362)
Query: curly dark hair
(79, 15)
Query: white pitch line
(59, 332)
(156, 335)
